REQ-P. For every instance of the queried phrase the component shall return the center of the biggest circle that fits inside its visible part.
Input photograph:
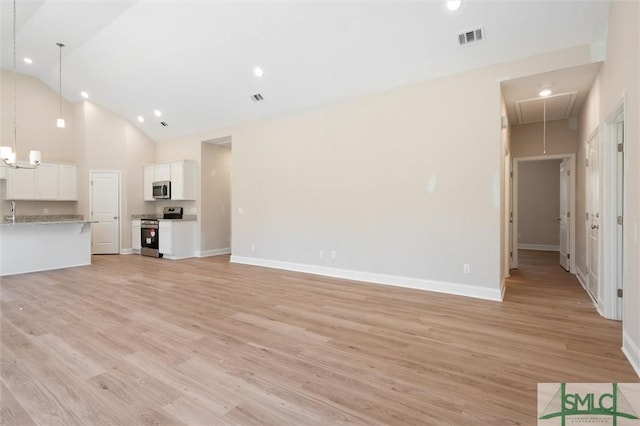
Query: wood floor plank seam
(132, 340)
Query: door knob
(595, 227)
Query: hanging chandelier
(8, 153)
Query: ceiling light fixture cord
(8, 155)
(60, 45)
(15, 98)
(544, 127)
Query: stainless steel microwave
(162, 190)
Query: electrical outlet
(333, 254)
(466, 268)
(45, 210)
(321, 253)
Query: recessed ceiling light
(157, 113)
(28, 61)
(141, 119)
(84, 95)
(258, 72)
(454, 5)
(545, 92)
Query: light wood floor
(135, 340)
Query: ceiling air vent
(471, 36)
(257, 97)
(164, 123)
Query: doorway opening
(215, 187)
(543, 200)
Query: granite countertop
(44, 219)
(159, 216)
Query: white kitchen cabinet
(49, 182)
(177, 238)
(21, 183)
(68, 182)
(149, 175)
(165, 232)
(183, 180)
(162, 172)
(135, 235)
(46, 182)
(182, 175)
(3, 171)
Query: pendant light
(544, 126)
(7, 153)
(60, 122)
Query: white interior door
(105, 212)
(593, 216)
(564, 213)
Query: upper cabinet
(183, 180)
(50, 181)
(68, 182)
(182, 175)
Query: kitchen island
(42, 245)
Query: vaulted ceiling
(194, 60)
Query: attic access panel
(559, 107)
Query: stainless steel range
(150, 231)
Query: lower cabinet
(135, 235)
(177, 238)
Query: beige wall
(526, 139)
(216, 197)
(406, 183)
(38, 109)
(539, 203)
(115, 144)
(619, 79)
(94, 138)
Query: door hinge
(619, 220)
(619, 292)
(568, 255)
(620, 147)
(586, 215)
(568, 214)
(510, 254)
(511, 174)
(586, 162)
(568, 172)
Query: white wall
(539, 204)
(619, 79)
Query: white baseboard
(503, 289)
(631, 351)
(417, 283)
(541, 247)
(582, 278)
(213, 252)
(129, 251)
